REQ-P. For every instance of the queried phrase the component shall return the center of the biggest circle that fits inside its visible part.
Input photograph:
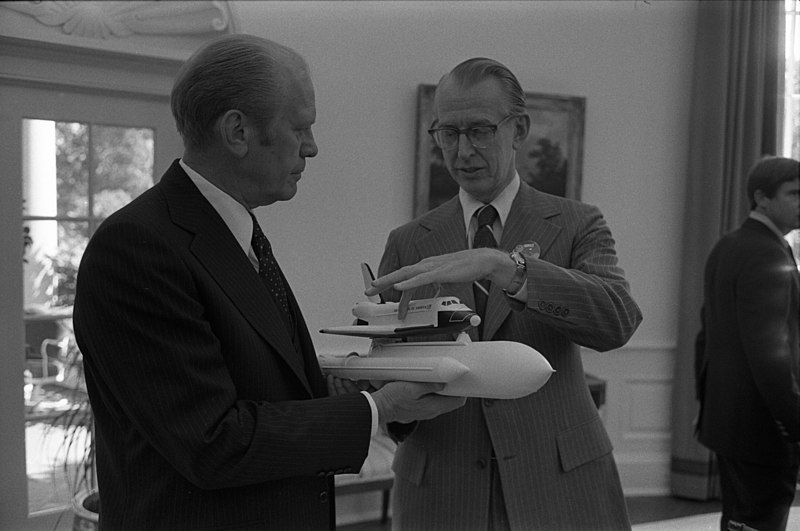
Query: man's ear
(760, 198)
(522, 126)
(233, 132)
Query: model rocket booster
(485, 369)
(412, 369)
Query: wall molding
(59, 66)
(105, 20)
(167, 29)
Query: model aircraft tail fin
(366, 272)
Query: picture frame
(550, 159)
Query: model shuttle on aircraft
(486, 369)
(376, 318)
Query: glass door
(69, 159)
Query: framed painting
(550, 159)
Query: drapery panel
(737, 67)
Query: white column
(41, 199)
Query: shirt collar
(233, 213)
(502, 203)
(758, 216)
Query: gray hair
(473, 71)
(241, 72)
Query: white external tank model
(485, 369)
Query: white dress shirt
(502, 203)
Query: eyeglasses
(480, 136)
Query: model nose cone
(475, 320)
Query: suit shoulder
(571, 205)
(746, 248)
(147, 210)
(424, 221)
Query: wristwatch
(520, 255)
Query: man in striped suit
(543, 461)
(211, 411)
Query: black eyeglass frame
(466, 131)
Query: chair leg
(385, 507)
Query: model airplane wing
(379, 331)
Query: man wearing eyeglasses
(543, 461)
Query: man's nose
(309, 147)
(465, 147)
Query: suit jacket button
(550, 308)
(542, 305)
(481, 463)
(565, 312)
(323, 496)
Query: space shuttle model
(486, 369)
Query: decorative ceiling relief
(116, 19)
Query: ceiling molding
(169, 29)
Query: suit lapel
(530, 219)
(447, 234)
(216, 249)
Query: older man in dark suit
(749, 364)
(211, 411)
(543, 461)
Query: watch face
(528, 249)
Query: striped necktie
(484, 237)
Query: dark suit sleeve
(764, 308)
(158, 371)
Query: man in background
(543, 461)
(748, 369)
(210, 408)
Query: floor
(641, 510)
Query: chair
(46, 345)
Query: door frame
(63, 78)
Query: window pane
(123, 162)
(72, 165)
(791, 102)
(51, 262)
(39, 190)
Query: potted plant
(77, 444)
(72, 425)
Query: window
(791, 99)
(791, 96)
(74, 175)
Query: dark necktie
(484, 237)
(269, 271)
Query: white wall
(631, 60)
